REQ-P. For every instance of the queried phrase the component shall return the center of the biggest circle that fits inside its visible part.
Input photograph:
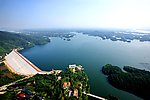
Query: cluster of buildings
(67, 86)
(68, 91)
(75, 68)
(26, 94)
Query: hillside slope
(9, 41)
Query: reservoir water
(92, 53)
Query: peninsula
(72, 84)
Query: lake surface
(92, 53)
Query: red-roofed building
(21, 95)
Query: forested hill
(132, 80)
(10, 40)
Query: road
(101, 98)
(4, 87)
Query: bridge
(97, 97)
(18, 64)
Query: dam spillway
(18, 64)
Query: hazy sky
(23, 14)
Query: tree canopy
(133, 80)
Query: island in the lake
(132, 80)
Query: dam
(18, 64)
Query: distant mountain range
(121, 35)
